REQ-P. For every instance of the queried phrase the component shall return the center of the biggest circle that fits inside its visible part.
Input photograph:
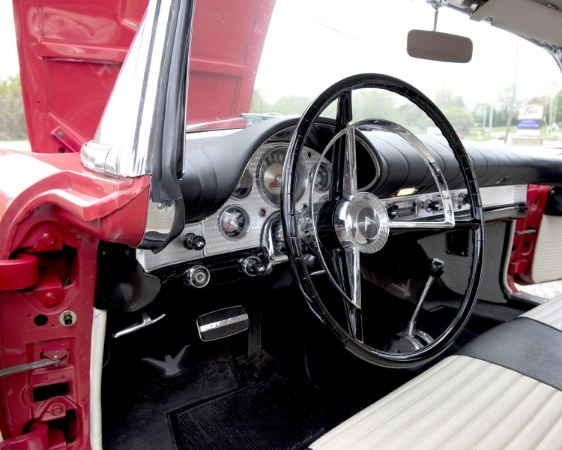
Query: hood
(71, 53)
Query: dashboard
(245, 233)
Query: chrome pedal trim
(222, 323)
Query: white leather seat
(504, 391)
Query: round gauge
(234, 222)
(323, 177)
(270, 170)
(244, 186)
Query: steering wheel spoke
(354, 321)
(352, 259)
(349, 187)
(347, 274)
(347, 270)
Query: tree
(290, 104)
(504, 102)
(455, 110)
(12, 117)
(258, 103)
(414, 118)
(460, 117)
(558, 107)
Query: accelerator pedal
(222, 323)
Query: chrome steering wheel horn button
(361, 222)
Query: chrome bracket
(146, 321)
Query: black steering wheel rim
(342, 91)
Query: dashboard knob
(194, 242)
(392, 211)
(463, 199)
(252, 266)
(197, 276)
(433, 206)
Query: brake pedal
(222, 323)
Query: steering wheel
(329, 237)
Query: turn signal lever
(412, 339)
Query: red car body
(54, 216)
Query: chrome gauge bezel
(241, 228)
(269, 171)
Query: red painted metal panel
(19, 273)
(525, 239)
(223, 76)
(71, 53)
(57, 211)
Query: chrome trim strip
(123, 143)
(223, 323)
(508, 198)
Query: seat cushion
(498, 392)
(549, 313)
(462, 402)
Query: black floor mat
(277, 413)
(138, 396)
(214, 401)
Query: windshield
(507, 92)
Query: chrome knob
(197, 276)
(252, 266)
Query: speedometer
(270, 170)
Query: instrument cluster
(251, 217)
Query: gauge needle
(275, 182)
(231, 223)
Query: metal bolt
(161, 206)
(57, 409)
(49, 239)
(50, 298)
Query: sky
(494, 68)
(377, 44)
(8, 52)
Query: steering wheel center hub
(361, 222)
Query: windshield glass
(508, 92)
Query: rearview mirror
(439, 46)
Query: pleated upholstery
(549, 313)
(460, 403)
